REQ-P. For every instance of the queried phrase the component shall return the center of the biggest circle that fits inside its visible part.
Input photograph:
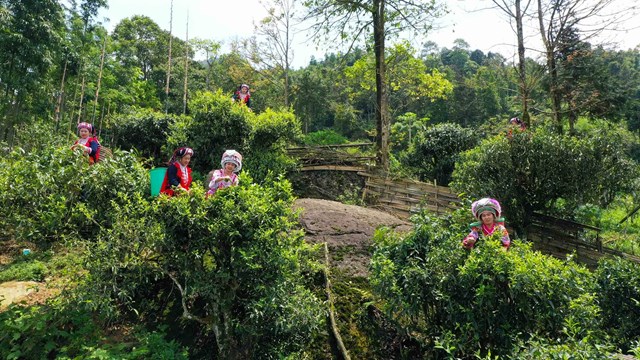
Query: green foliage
(324, 137)
(233, 260)
(144, 130)
(68, 332)
(410, 80)
(274, 129)
(25, 269)
(582, 349)
(479, 301)
(52, 192)
(40, 191)
(271, 132)
(529, 171)
(619, 297)
(217, 124)
(434, 151)
(404, 130)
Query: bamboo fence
(332, 157)
(559, 238)
(403, 197)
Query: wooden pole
(81, 100)
(186, 71)
(95, 100)
(166, 90)
(344, 354)
(59, 102)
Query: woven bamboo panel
(559, 238)
(406, 197)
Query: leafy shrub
(434, 152)
(65, 332)
(618, 293)
(41, 332)
(232, 260)
(52, 193)
(271, 132)
(324, 137)
(40, 190)
(531, 170)
(479, 301)
(583, 349)
(217, 124)
(24, 270)
(144, 130)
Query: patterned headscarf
(234, 157)
(518, 122)
(88, 126)
(179, 153)
(486, 204)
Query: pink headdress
(88, 126)
(486, 204)
(234, 157)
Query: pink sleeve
(216, 175)
(506, 241)
(472, 235)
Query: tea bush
(232, 262)
(40, 193)
(324, 137)
(619, 297)
(529, 171)
(271, 132)
(216, 124)
(433, 152)
(144, 130)
(68, 332)
(53, 193)
(481, 301)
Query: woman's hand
(468, 242)
(224, 179)
(181, 190)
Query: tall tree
(186, 71)
(272, 47)
(516, 12)
(211, 50)
(587, 18)
(382, 18)
(166, 90)
(30, 35)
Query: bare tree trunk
(59, 100)
(287, 60)
(95, 100)
(186, 71)
(101, 118)
(382, 108)
(81, 101)
(553, 71)
(573, 117)
(166, 90)
(524, 89)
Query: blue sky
(226, 20)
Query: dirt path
(347, 230)
(14, 291)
